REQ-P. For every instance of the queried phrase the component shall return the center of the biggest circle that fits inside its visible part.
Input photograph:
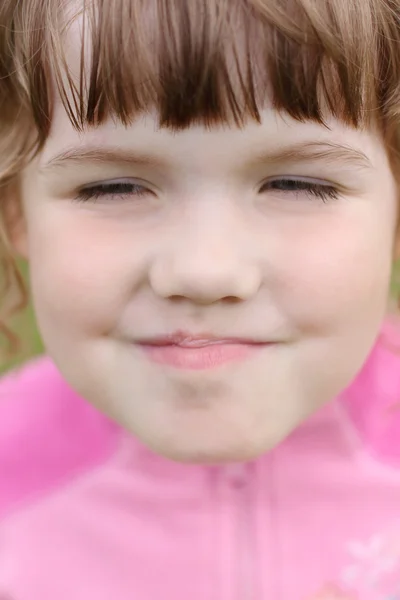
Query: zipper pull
(238, 475)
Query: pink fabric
(87, 513)
(46, 433)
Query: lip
(183, 350)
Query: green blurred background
(23, 324)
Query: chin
(208, 453)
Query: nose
(206, 262)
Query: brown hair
(196, 61)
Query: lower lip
(200, 358)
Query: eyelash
(121, 189)
(324, 192)
(321, 191)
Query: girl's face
(209, 289)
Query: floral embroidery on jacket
(372, 571)
(374, 566)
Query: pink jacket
(87, 513)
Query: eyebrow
(327, 152)
(98, 155)
(301, 152)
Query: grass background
(23, 324)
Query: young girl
(207, 194)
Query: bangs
(210, 61)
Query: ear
(13, 221)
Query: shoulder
(47, 433)
(373, 399)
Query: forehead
(275, 141)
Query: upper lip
(191, 340)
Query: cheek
(90, 271)
(331, 272)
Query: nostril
(180, 299)
(176, 298)
(231, 300)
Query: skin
(333, 593)
(207, 248)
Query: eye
(312, 189)
(111, 189)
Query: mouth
(198, 352)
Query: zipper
(241, 479)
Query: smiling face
(277, 236)
(209, 287)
